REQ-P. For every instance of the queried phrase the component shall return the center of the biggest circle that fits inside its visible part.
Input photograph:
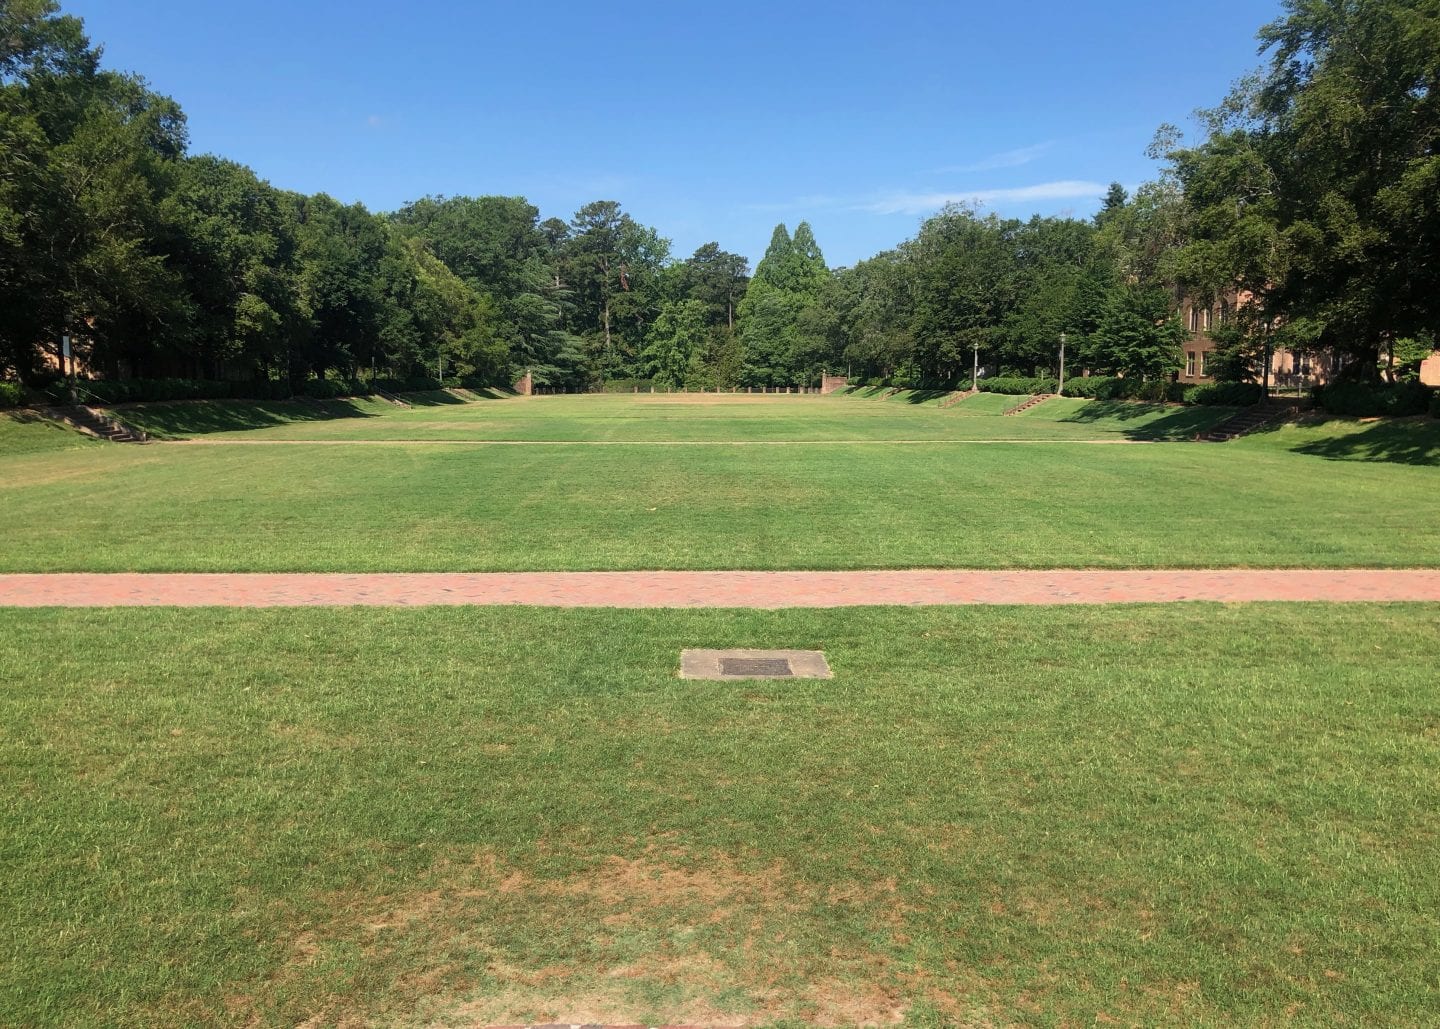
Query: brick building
(1288, 369)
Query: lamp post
(1060, 389)
(67, 365)
(975, 371)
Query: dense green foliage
(164, 265)
(1365, 399)
(1017, 385)
(1306, 216)
(1316, 188)
(1230, 394)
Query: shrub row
(121, 391)
(1369, 400)
(1017, 386)
(1226, 394)
(12, 394)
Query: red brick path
(714, 589)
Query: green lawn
(671, 418)
(1330, 494)
(1176, 814)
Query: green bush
(130, 391)
(1017, 386)
(1225, 394)
(1435, 404)
(12, 394)
(323, 389)
(413, 384)
(627, 385)
(1094, 387)
(1370, 400)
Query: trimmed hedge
(1017, 386)
(12, 394)
(1370, 400)
(130, 391)
(1226, 394)
(1099, 387)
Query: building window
(1204, 362)
(1194, 319)
(1190, 363)
(1205, 316)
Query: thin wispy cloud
(1005, 159)
(925, 202)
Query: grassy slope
(1174, 814)
(23, 433)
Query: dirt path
(715, 589)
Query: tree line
(1306, 212)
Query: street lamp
(975, 371)
(1060, 388)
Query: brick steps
(957, 396)
(1247, 421)
(97, 423)
(1029, 402)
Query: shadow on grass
(46, 434)
(920, 396)
(432, 398)
(1397, 440)
(196, 418)
(1162, 421)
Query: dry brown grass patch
(662, 936)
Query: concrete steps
(1029, 402)
(98, 423)
(1246, 421)
(956, 397)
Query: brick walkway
(649, 442)
(715, 589)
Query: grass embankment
(1191, 813)
(25, 432)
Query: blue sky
(708, 121)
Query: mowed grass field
(713, 482)
(1182, 814)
